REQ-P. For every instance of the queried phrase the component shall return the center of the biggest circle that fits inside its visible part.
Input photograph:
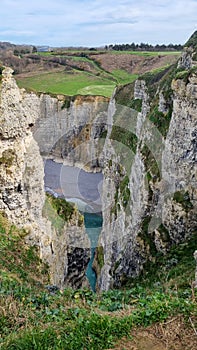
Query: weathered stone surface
(22, 184)
(72, 134)
(162, 210)
(163, 107)
(185, 61)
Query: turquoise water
(93, 224)
(83, 189)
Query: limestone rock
(185, 61)
(22, 194)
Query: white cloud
(85, 22)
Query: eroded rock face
(74, 134)
(149, 186)
(21, 165)
(185, 61)
(161, 210)
(22, 194)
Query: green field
(76, 82)
(147, 53)
(88, 52)
(73, 83)
(85, 76)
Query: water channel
(84, 189)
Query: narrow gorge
(142, 142)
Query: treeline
(144, 47)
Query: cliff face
(150, 204)
(71, 131)
(22, 194)
(146, 151)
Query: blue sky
(97, 22)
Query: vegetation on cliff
(59, 212)
(192, 42)
(35, 315)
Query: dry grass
(132, 63)
(174, 334)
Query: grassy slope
(79, 81)
(34, 317)
(68, 83)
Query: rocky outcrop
(22, 191)
(185, 62)
(161, 208)
(22, 194)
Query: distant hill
(6, 46)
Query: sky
(97, 22)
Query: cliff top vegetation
(192, 42)
(86, 72)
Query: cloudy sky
(97, 22)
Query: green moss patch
(124, 191)
(164, 233)
(7, 158)
(160, 120)
(100, 256)
(136, 104)
(122, 195)
(125, 94)
(150, 163)
(183, 198)
(58, 211)
(125, 137)
(64, 209)
(148, 237)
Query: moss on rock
(7, 158)
(183, 198)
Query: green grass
(89, 52)
(79, 82)
(58, 211)
(146, 53)
(103, 90)
(124, 77)
(35, 317)
(72, 83)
